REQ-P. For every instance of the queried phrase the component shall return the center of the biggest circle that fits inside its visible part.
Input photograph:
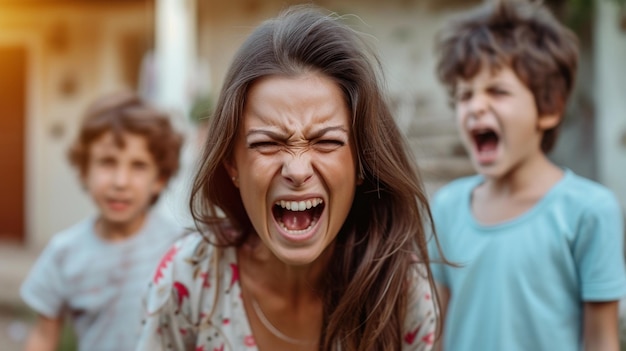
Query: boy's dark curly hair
(521, 34)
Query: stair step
(429, 126)
(437, 146)
(444, 169)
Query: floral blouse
(194, 303)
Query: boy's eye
(106, 161)
(140, 165)
(328, 145)
(498, 92)
(463, 95)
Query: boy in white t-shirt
(95, 272)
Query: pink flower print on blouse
(181, 293)
(409, 337)
(167, 258)
(235, 275)
(429, 338)
(249, 341)
(206, 282)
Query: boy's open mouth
(486, 140)
(486, 145)
(297, 217)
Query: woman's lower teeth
(299, 231)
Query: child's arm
(444, 297)
(600, 323)
(45, 334)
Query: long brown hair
(384, 236)
(520, 34)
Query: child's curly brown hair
(126, 112)
(521, 34)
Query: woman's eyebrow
(269, 133)
(284, 136)
(320, 132)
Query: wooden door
(12, 131)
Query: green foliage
(578, 14)
(201, 109)
(68, 339)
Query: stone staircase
(438, 149)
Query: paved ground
(15, 318)
(14, 326)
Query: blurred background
(56, 56)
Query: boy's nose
(121, 177)
(478, 106)
(297, 169)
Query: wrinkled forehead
(294, 99)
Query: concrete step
(437, 146)
(15, 263)
(444, 169)
(432, 186)
(430, 126)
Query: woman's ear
(549, 121)
(231, 169)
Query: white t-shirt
(99, 285)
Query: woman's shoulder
(421, 319)
(187, 251)
(185, 270)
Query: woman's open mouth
(298, 217)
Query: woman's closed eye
(327, 145)
(265, 146)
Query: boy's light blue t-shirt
(522, 283)
(97, 284)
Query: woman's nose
(297, 169)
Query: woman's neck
(292, 282)
(283, 303)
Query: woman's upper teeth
(299, 205)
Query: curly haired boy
(538, 248)
(95, 272)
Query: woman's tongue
(296, 220)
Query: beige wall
(402, 31)
(610, 84)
